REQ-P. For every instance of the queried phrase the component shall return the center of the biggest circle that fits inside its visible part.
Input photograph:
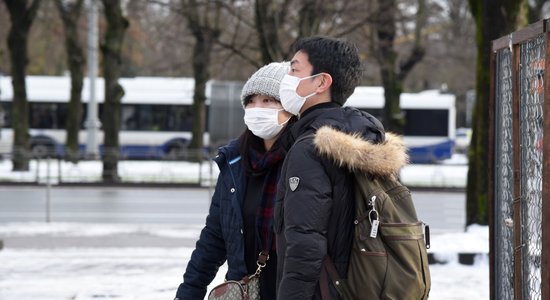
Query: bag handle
(263, 257)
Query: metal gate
(520, 164)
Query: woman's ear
(326, 82)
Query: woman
(240, 221)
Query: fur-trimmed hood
(357, 154)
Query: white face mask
(263, 122)
(291, 101)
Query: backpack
(388, 258)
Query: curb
(463, 258)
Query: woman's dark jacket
(314, 206)
(222, 237)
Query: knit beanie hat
(265, 81)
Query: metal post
(37, 169)
(59, 173)
(92, 121)
(48, 190)
(200, 166)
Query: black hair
(336, 57)
(247, 100)
(249, 141)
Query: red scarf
(268, 163)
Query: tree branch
(33, 9)
(239, 53)
(418, 50)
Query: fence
(519, 164)
(51, 168)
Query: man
(314, 205)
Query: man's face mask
(263, 122)
(291, 101)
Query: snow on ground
(150, 272)
(450, 173)
(129, 171)
(76, 272)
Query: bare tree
(70, 14)
(111, 47)
(269, 17)
(22, 15)
(393, 71)
(279, 23)
(203, 19)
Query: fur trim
(358, 154)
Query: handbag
(247, 288)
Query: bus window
(427, 122)
(48, 115)
(179, 118)
(44, 116)
(160, 116)
(6, 107)
(128, 120)
(182, 118)
(61, 115)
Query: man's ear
(326, 83)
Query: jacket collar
(309, 116)
(358, 154)
(229, 152)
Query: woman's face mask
(263, 122)
(291, 101)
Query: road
(110, 205)
(444, 211)
(144, 253)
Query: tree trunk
(267, 26)
(393, 119)
(21, 21)
(201, 64)
(111, 48)
(310, 17)
(392, 75)
(387, 59)
(204, 23)
(269, 17)
(493, 20)
(70, 14)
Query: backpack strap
(330, 269)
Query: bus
(430, 117)
(156, 115)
